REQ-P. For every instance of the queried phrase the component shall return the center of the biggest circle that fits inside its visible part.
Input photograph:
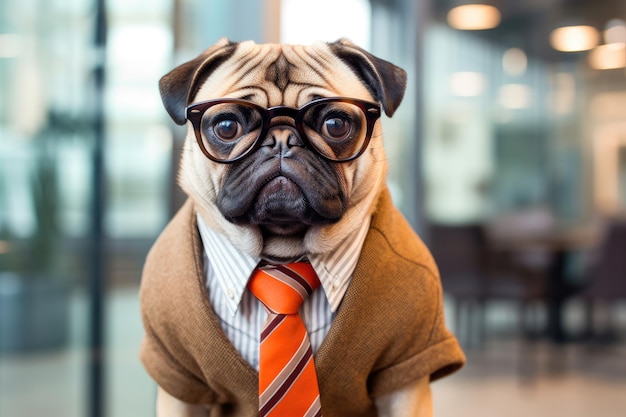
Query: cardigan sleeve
(438, 357)
(169, 373)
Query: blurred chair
(459, 253)
(607, 280)
(475, 272)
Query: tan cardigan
(388, 332)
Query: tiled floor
(54, 384)
(503, 378)
(571, 396)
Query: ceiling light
(515, 96)
(615, 32)
(514, 61)
(474, 17)
(574, 38)
(467, 84)
(609, 56)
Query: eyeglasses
(337, 128)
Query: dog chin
(283, 249)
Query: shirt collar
(232, 268)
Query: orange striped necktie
(287, 378)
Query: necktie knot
(283, 288)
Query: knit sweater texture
(388, 332)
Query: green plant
(38, 256)
(45, 196)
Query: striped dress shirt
(241, 315)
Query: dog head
(284, 152)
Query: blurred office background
(508, 155)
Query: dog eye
(336, 128)
(227, 130)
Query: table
(539, 231)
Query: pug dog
(284, 161)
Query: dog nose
(282, 138)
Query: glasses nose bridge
(282, 111)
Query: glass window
(45, 146)
(322, 25)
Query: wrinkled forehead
(278, 74)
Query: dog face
(271, 162)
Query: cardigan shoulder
(399, 237)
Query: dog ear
(385, 81)
(179, 86)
